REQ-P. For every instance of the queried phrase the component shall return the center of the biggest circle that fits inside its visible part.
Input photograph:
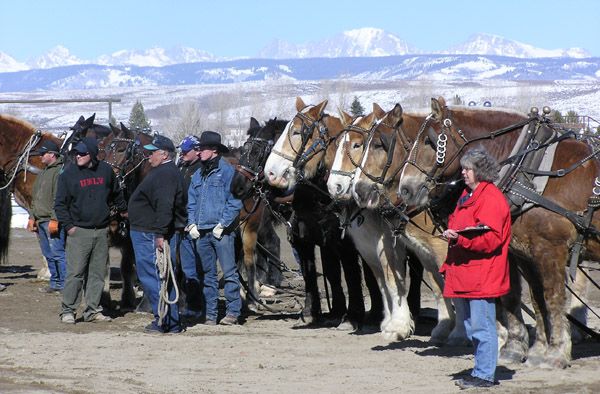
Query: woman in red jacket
(476, 268)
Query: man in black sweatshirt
(157, 208)
(86, 189)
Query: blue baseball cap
(160, 142)
(188, 143)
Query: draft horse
(547, 223)
(257, 218)
(299, 161)
(370, 154)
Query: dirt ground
(267, 354)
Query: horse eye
(357, 145)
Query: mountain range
(364, 42)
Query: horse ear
(378, 111)
(346, 118)
(437, 108)
(299, 104)
(369, 119)
(395, 115)
(115, 130)
(254, 124)
(89, 122)
(321, 107)
(124, 128)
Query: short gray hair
(482, 163)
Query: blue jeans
(53, 250)
(480, 323)
(210, 249)
(189, 260)
(145, 261)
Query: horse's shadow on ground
(20, 271)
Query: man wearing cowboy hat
(212, 215)
(42, 217)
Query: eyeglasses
(82, 154)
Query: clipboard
(471, 230)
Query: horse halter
(303, 154)
(397, 134)
(254, 155)
(131, 153)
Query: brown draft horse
(367, 165)
(17, 139)
(256, 221)
(541, 239)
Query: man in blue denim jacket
(212, 216)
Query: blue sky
(231, 28)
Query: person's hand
(192, 230)
(71, 230)
(159, 242)
(53, 228)
(32, 225)
(218, 231)
(450, 234)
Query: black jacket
(158, 204)
(84, 196)
(187, 170)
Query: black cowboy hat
(45, 147)
(212, 138)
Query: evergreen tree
(356, 108)
(557, 117)
(137, 118)
(571, 117)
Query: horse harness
(523, 166)
(21, 161)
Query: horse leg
(577, 309)
(352, 275)
(414, 290)
(401, 325)
(128, 274)
(559, 351)
(516, 337)
(105, 299)
(332, 272)
(249, 239)
(312, 301)
(375, 315)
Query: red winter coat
(477, 264)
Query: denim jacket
(210, 200)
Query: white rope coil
(166, 274)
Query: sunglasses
(82, 154)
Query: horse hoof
(458, 342)
(347, 325)
(511, 357)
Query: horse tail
(5, 214)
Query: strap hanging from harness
(166, 274)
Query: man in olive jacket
(42, 218)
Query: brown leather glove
(32, 225)
(53, 228)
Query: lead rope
(166, 274)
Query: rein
(22, 159)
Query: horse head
(444, 136)
(254, 154)
(350, 151)
(304, 146)
(390, 139)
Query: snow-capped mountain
(407, 67)
(9, 64)
(489, 44)
(365, 42)
(156, 57)
(56, 57)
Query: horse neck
(479, 123)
